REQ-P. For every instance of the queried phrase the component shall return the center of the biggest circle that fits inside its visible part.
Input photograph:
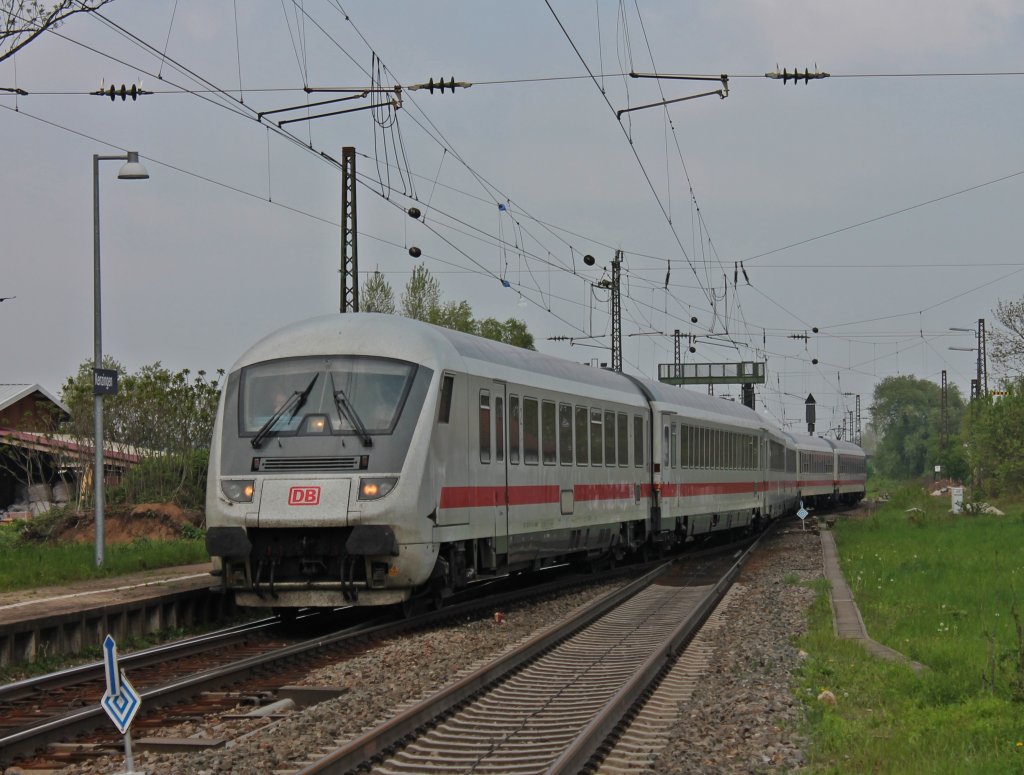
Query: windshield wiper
(294, 403)
(348, 412)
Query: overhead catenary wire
(549, 265)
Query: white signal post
(120, 701)
(803, 514)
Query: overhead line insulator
(134, 91)
(806, 76)
(440, 84)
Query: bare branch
(26, 20)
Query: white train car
(850, 471)
(365, 458)
(816, 480)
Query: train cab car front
(304, 504)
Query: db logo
(304, 496)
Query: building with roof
(38, 465)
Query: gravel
(742, 718)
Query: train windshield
(333, 395)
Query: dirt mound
(154, 521)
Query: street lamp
(131, 170)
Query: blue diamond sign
(120, 700)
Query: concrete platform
(846, 618)
(63, 620)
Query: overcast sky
(881, 205)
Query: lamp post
(131, 170)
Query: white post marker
(120, 700)
(803, 514)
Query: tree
(512, 331)
(907, 413)
(1007, 344)
(422, 295)
(421, 300)
(457, 316)
(165, 418)
(26, 20)
(376, 295)
(994, 430)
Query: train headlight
(316, 423)
(372, 489)
(238, 490)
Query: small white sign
(957, 496)
(803, 513)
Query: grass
(948, 592)
(28, 563)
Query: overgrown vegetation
(946, 591)
(31, 562)
(164, 419)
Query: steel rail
(29, 740)
(376, 741)
(593, 736)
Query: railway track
(47, 722)
(551, 704)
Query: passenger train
(371, 459)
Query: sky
(880, 206)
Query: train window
(684, 446)
(582, 436)
(342, 395)
(499, 428)
(609, 438)
(565, 434)
(698, 448)
(596, 438)
(638, 440)
(674, 446)
(531, 440)
(444, 413)
(623, 432)
(548, 432)
(485, 426)
(664, 447)
(513, 430)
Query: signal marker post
(120, 700)
(803, 514)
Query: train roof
(812, 443)
(369, 333)
(846, 448)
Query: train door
(763, 495)
(501, 422)
(661, 440)
(490, 528)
